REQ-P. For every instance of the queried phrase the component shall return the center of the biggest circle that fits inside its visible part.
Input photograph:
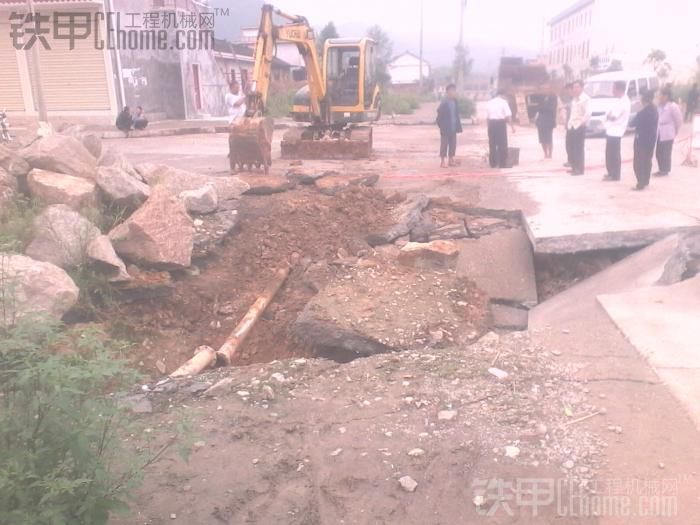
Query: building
(238, 62)
(158, 54)
(405, 69)
(182, 78)
(592, 36)
(77, 81)
(287, 52)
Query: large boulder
(34, 287)
(50, 187)
(91, 141)
(101, 252)
(63, 154)
(114, 159)
(13, 163)
(176, 181)
(8, 187)
(201, 201)
(121, 189)
(61, 237)
(159, 234)
(404, 218)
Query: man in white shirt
(235, 102)
(618, 119)
(576, 128)
(499, 116)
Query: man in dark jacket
(124, 120)
(450, 124)
(646, 125)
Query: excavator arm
(298, 31)
(250, 138)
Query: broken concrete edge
(588, 242)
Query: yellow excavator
(339, 96)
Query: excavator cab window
(343, 75)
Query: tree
(615, 65)
(329, 31)
(462, 64)
(658, 60)
(385, 49)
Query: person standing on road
(692, 102)
(566, 98)
(235, 102)
(499, 115)
(670, 123)
(580, 115)
(646, 125)
(450, 124)
(546, 121)
(617, 121)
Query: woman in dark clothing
(124, 120)
(646, 125)
(546, 121)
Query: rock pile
(100, 211)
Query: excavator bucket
(250, 143)
(310, 143)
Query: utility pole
(36, 73)
(460, 47)
(420, 52)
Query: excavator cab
(349, 74)
(342, 92)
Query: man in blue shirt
(450, 124)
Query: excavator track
(314, 143)
(250, 144)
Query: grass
(17, 224)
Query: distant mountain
(246, 13)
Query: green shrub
(279, 104)
(17, 224)
(60, 433)
(467, 108)
(399, 103)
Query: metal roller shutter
(10, 86)
(74, 79)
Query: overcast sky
(492, 27)
(486, 21)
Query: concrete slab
(501, 264)
(574, 214)
(685, 385)
(661, 322)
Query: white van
(600, 89)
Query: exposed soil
(315, 442)
(273, 229)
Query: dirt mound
(204, 308)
